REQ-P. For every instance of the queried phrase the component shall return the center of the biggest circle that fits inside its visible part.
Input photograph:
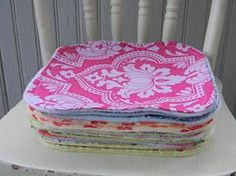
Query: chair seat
(19, 147)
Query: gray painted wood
(180, 32)
(3, 94)
(99, 11)
(67, 22)
(20, 52)
(220, 62)
(10, 52)
(78, 21)
(196, 23)
(82, 23)
(229, 79)
(156, 22)
(130, 21)
(130, 25)
(28, 53)
(105, 20)
(54, 7)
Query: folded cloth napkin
(166, 78)
(116, 97)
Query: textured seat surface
(18, 146)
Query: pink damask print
(105, 75)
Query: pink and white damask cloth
(167, 78)
(154, 98)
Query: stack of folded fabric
(117, 97)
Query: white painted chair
(21, 152)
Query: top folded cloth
(112, 77)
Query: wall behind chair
(19, 45)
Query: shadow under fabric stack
(114, 97)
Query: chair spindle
(46, 33)
(90, 16)
(170, 23)
(214, 30)
(143, 19)
(117, 14)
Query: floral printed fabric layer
(104, 76)
(122, 137)
(161, 139)
(156, 139)
(101, 125)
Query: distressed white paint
(117, 14)
(91, 20)
(214, 30)
(45, 29)
(170, 23)
(143, 19)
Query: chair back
(211, 42)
